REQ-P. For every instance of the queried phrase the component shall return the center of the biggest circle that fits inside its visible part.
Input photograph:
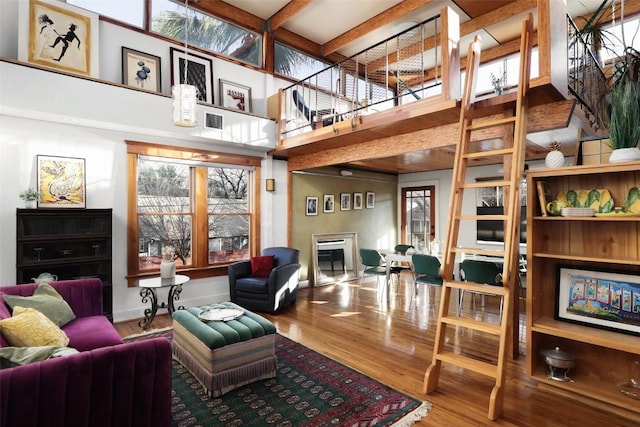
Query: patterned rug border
(408, 419)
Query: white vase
(167, 269)
(554, 159)
(624, 155)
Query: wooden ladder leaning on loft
(513, 153)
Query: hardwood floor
(391, 340)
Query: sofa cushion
(261, 266)
(47, 301)
(91, 332)
(258, 285)
(30, 328)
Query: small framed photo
(345, 201)
(328, 203)
(235, 96)
(141, 70)
(61, 182)
(312, 205)
(544, 196)
(601, 299)
(199, 73)
(371, 200)
(358, 201)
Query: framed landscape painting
(57, 35)
(199, 73)
(61, 182)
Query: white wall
(51, 114)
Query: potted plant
(624, 121)
(29, 196)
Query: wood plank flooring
(385, 336)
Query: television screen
(493, 231)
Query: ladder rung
(489, 153)
(483, 217)
(478, 251)
(486, 184)
(492, 123)
(466, 322)
(467, 362)
(477, 287)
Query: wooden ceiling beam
(287, 12)
(383, 18)
(230, 13)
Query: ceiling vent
(213, 121)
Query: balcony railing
(587, 81)
(404, 68)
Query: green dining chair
(397, 267)
(483, 272)
(427, 271)
(373, 263)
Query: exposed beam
(383, 18)
(230, 13)
(287, 12)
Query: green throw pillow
(47, 301)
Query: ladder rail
(513, 154)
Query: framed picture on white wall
(345, 201)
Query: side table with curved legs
(149, 294)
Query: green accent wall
(376, 227)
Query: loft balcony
(395, 106)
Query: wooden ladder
(513, 124)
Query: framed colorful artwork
(199, 73)
(235, 96)
(57, 35)
(602, 299)
(61, 182)
(312, 205)
(141, 70)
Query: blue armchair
(271, 293)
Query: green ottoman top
(218, 334)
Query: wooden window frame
(200, 261)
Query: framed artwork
(345, 201)
(371, 200)
(357, 201)
(235, 96)
(602, 299)
(328, 203)
(61, 182)
(199, 73)
(141, 70)
(60, 36)
(312, 205)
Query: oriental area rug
(309, 390)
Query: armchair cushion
(30, 328)
(261, 266)
(47, 301)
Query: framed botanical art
(61, 182)
(357, 201)
(312, 206)
(345, 201)
(371, 200)
(235, 96)
(328, 203)
(602, 299)
(57, 35)
(199, 73)
(141, 70)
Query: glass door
(418, 216)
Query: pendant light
(184, 95)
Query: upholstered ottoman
(224, 355)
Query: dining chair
(427, 271)
(398, 267)
(373, 263)
(483, 272)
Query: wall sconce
(270, 184)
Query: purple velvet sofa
(108, 383)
